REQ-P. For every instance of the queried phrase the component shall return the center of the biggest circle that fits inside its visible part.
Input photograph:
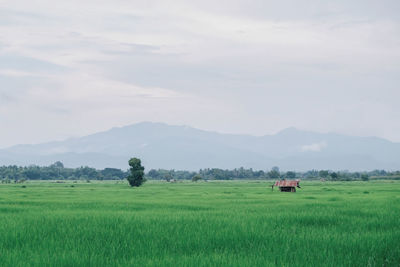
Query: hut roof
(285, 183)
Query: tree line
(273, 173)
(57, 171)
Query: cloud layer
(70, 68)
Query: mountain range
(181, 147)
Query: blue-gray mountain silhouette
(180, 147)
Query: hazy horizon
(69, 69)
(164, 146)
(185, 125)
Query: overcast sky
(70, 68)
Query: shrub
(196, 178)
(364, 177)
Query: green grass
(200, 224)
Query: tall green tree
(136, 178)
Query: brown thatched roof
(285, 183)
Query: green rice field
(232, 223)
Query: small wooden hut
(287, 186)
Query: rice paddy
(233, 223)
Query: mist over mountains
(181, 147)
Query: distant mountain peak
(289, 130)
(160, 145)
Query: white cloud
(315, 147)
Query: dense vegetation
(136, 176)
(274, 173)
(57, 171)
(234, 223)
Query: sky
(71, 68)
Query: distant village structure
(287, 186)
